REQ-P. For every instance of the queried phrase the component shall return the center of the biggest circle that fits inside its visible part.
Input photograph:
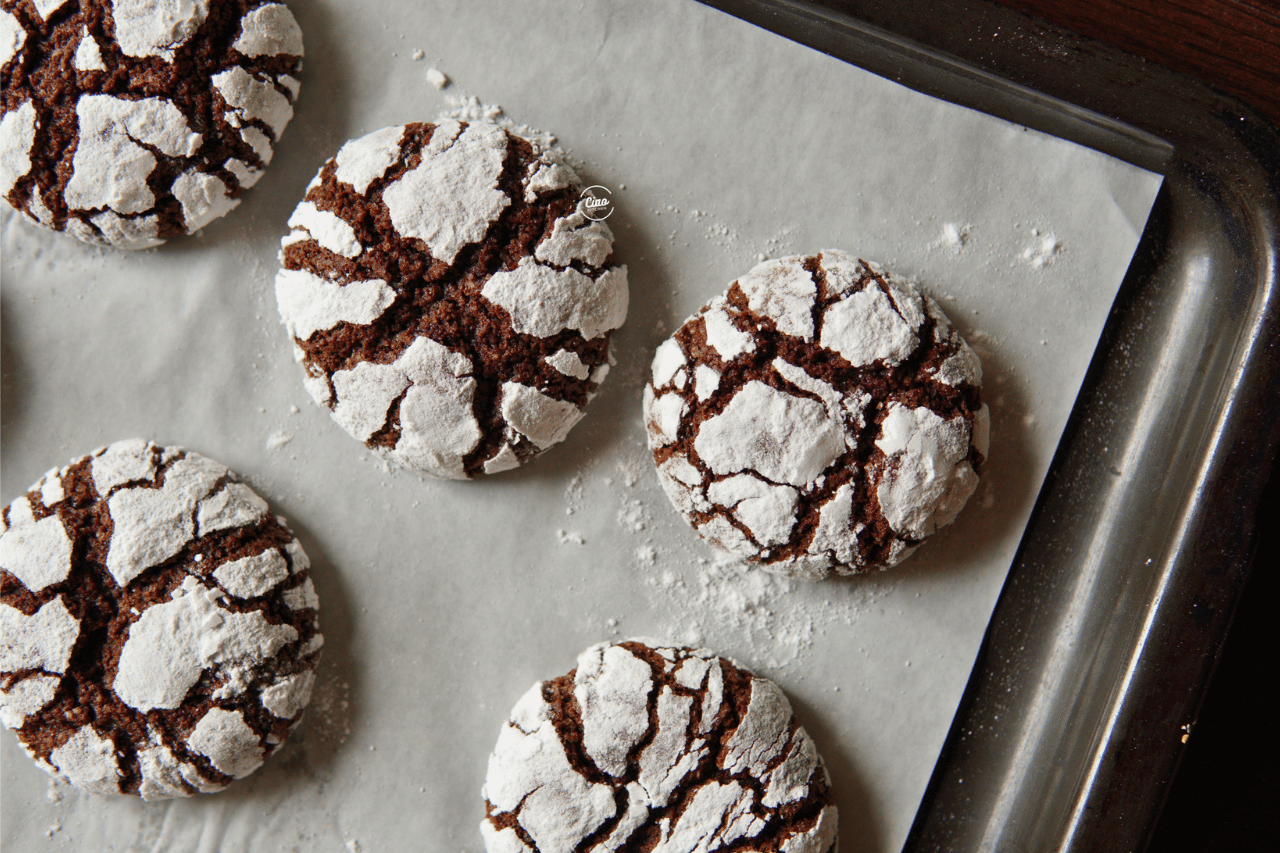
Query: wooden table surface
(1232, 44)
(1226, 795)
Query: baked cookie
(450, 305)
(126, 122)
(157, 623)
(645, 747)
(821, 416)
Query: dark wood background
(1226, 795)
(1231, 44)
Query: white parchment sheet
(442, 602)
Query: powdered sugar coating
(669, 748)
(203, 197)
(172, 644)
(287, 697)
(111, 166)
(569, 363)
(130, 171)
(541, 419)
(17, 133)
(250, 99)
(197, 607)
(12, 37)
(544, 301)
(325, 228)
(38, 553)
(88, 55)
(452, 196)
(227, 741)
(250, 577)
(437, 390)
(45, 7)
(448, 319)
(41, 641)
(269, 30)
(309, 303)
(156, 27)
(802, 443)
(362, 161)
(88, 761)
(786, 438)
(25, 698)
(575, 238)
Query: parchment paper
(443, 602)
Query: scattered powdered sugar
(1043, 251)
(469, 108)
(954, 236)
(633, 515)
(721, 601)
(744, 606)
(570, 537)
(329, 714)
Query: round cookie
(819, 417)
(127, 122)
(450, 305)
(158, 629)
(649, 747)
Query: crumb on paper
(630, 471)
(633, 515)
(955, 236)
(278, 439)
(437, 78)
(469, 108)
(1043, 251)
(418, 56)
(567, 537)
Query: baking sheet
(442, 602)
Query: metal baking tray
(1109, 625)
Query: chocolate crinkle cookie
(820, 417)
(647, 748)
(127, 122)
(158, 630)
(450, 305)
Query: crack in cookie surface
(158, 629)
